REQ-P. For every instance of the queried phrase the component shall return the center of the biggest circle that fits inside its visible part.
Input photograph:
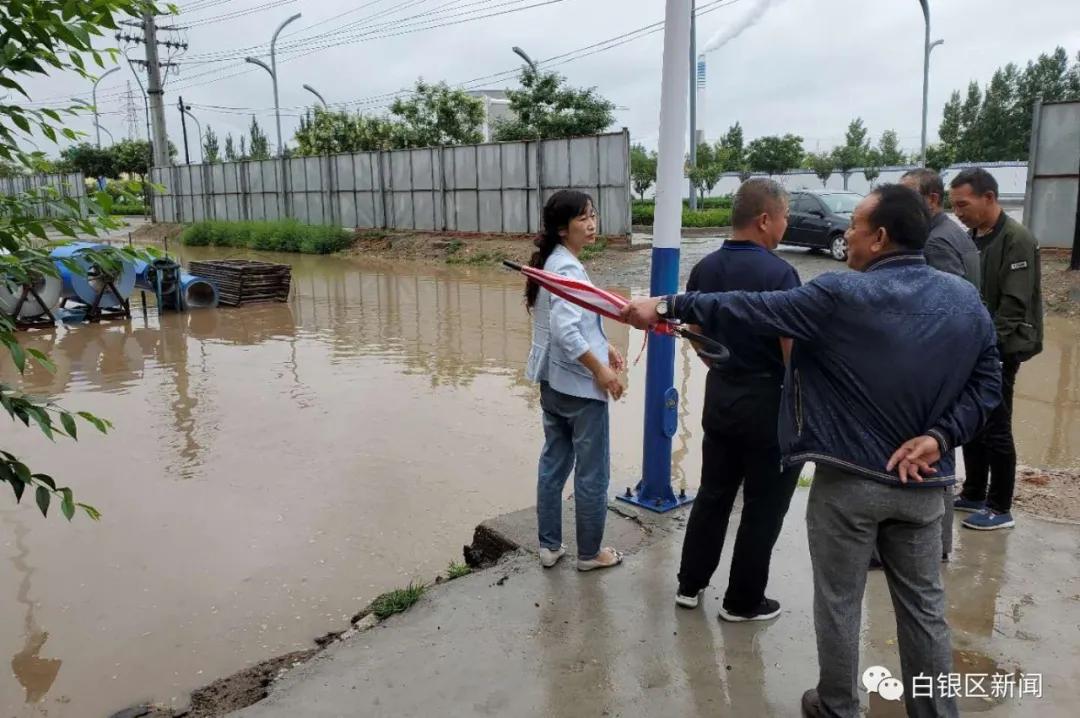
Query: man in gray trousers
(892, 351)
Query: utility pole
(160, 138)
(693, 101)
(183, 126)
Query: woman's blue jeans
(576, 436)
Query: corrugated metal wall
(470, 188)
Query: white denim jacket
(562, 332)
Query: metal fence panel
(489, 187)
(1053, 190)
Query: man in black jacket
(1011, 282)
(889, 352)
(740, 416)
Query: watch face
(662, 307)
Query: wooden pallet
(243, 281)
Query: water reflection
(1047, 400)
(35, 674)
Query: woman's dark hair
(563, 206)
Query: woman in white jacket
(576, 369)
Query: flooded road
(275, 467)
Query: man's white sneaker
(688, 600)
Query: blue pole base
(658, 505)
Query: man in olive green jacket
(1012, 291)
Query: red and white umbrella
(608, 304)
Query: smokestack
(700, 124)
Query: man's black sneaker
(767, 610)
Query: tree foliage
(90, 160)
(852, 153)
(822, 165)
(734, 150)
(642, 169)
(774, 154)
(437, 115)
(872, 165)
(888, 150)
(211, 147)
(260, 144)
(36, 38)
(546, 107)
(708, 167)
(993, 124)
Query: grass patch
(396, 601)
(592, 250)
(287, 235)
(476, 258)
(457, 570)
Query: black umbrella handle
(511, 265)
(717, 352)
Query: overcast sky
(807, 67)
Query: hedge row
(720, 217)
(286, 235)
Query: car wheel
(838, 247)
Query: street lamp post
(928, 47)
(94, 94)
(272, 69)
(661, 398)
(186, 109)
(97, 125)
(315, 92)
(539, 147)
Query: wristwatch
(663, 307)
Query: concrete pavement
(515, 640)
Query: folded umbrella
(608, 304)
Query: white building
(496, 107)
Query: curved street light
(927, 47)
(521, 53)
(315, 92)
(186, 109)
(94, 95)
(272, 69)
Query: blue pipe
(81, 287)
(197, 293)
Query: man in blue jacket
(893, 366)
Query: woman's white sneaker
(549, 558)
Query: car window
(800, 203)
(841, 203)
(806, 203)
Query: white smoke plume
(746, 22)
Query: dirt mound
(1048, 492)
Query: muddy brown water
(275, 467)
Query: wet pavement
(612, 643)
(275, 467)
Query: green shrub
(287, 235)
(706, 218)
(127, 209)
(716, 217)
